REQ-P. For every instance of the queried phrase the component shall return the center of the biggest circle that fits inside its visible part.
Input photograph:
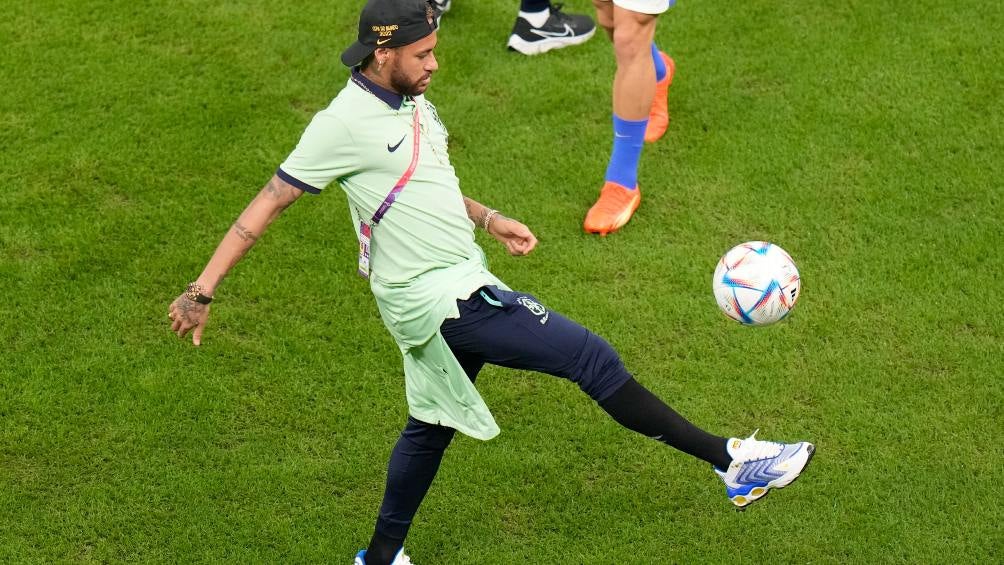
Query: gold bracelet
(194, 293)
(488, 218)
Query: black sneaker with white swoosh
(560, 30)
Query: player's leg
(413, 464)
(514, 330)
(605, 16)
(665, 68)
(633, 92)
(541, 27)
(634, 80)
(640, 90)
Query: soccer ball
(756, 283)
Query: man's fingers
(184, 328)
(184, 321)
(522, 246)
(517, 248)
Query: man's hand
(516, 237)
(186, 314)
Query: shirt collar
(392, 99)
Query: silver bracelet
(488, 218)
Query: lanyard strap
(387, 202)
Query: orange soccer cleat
(658, 117)
(613, 209)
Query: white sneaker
(758, 466)
(399, 559)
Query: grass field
(867, 138)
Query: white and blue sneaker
(399, 559)
(758, 466)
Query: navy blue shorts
(513, 329)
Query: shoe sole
(520, 45)
(743, 501)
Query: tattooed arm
(517, 238)
(477, 212)
(275, 197)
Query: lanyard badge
(366, 229)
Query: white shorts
(644, 6)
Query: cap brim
(355, 54)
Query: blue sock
(629, 138)
(660, 65)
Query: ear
(383, 54)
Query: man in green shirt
(382, 142)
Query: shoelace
(557, 14)
(557, 17)
(759, 450)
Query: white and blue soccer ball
(756, 283)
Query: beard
(406, 86)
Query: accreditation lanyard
(366, 229)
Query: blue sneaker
(399, 559)
(758, 466)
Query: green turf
(864, 137)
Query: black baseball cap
(391, 23)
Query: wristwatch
(194, 293)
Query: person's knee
(629, 47)
(601, 371)
(632, 36)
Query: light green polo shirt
(423, 254)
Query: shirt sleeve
(326, 152)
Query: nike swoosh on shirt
(567, 33)
(393, 148)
